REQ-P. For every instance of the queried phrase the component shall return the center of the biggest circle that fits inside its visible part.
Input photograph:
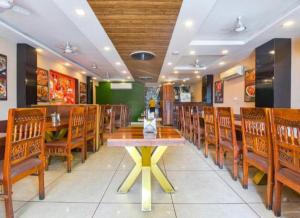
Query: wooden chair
(227, 138)
(101, 123)
(109, 124)
(198, 133)
(257, 146)
(286, 137)
(182, 120)
(118, 116)
(24, 151)
(211, 131)
(91, 126)
(75, 139)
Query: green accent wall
(134, 97)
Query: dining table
(146, 149)
(57, 126)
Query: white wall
(10, 50)
(295, 84)
(234, 89)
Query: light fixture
(170, 63)
(222, 63)
(106, 48)
(80, 12)
(94, 78)
(198, 77)
(128, 77)
(175, 53)
(163, 76)
(184, 80)
(189, 23)
(272, 52)
(39, 50)
(67, 64)
(124, 71)
(94, 66)
(288, 23)
(118, 63)
(239, 27)
(83, 72)
(192, 52)
(196, 72)
(176, 72)
(225, 52)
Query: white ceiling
(212, 32)
(54, 22)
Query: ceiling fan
(68, 48)
(191, 67)
(10, 5)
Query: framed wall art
(219, 91)
(42, 85)
(249, 92)
(82, 93)
(3, 77)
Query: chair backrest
(286, 136)
(210, 123)
(101, 118)
(25, 136)
(256, 131)
(76, 123)
(225, 123)
(91, 118)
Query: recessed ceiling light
(163, 77)
(83, 72)
(192, 52)
(176, 72)
(67, 64)
(94, 78)
(106, 48)
(39, 50)
(184, 80)
(198, 77)
(196, 72)
(225, 52)
(189, 23)
(128, 77)
(124, 71)
(272, 52)
(222, 63)
(94, 66)
(288, 23)
(118, 63)
(169, 63)
(80, 12)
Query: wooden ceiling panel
(134, 25)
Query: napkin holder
(150, 126)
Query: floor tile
(134, 195)
(134, 211)
(288, 210)
(79, 186)
(57, 210)
(201, 187)
(214, 211)
(16, 205)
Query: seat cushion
(289, 178)
(21, 167)
(258, 161)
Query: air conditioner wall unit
(120, 86)
(233, 73)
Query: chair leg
(269, 191)
(206, 149)
(221, 157)
(41, 184)
(8, 200)
(277, 199)
(245, 173)
(235, 165)
(47, 162)
(83, 152)
(217, 154)
(94, 144)
(69, 162)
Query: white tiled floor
(202, 190)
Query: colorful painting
(42, 77)
(61, 88)
(82, 93)
(249, 86)
(219, 92)
(3, 77)
(42, 85)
